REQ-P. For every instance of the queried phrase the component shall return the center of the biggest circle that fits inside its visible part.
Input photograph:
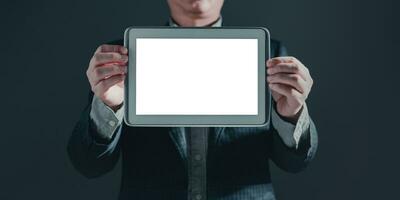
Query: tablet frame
(264, 96)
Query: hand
(290, 83)
(106, 74)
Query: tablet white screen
(181, 76)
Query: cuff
(105, 120)
(290, 133)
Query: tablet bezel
(264, 96)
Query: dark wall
(350, 47)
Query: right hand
(106, 74)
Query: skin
(289, 80)
(290, 83)
(195, 12)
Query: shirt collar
(218, 23)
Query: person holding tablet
(193, 162)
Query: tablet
(197, 76)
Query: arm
(293, 142)
(292, 147)
(94, 144)
(90, 151)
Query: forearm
(90, 156)
(293, 145)
(294, 159)
(104, 121)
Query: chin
(200, 6)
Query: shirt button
(197, 157)
(198, 197)
(111, 123)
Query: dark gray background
(351, 48)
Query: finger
(103, 72)
(112, 48)
(284, 90)
(283, 59)
(106, 84)
(292, 80)
(272, 62)
(111, 57)
(288, 68)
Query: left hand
(290, 83)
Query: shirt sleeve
(289, 132)
(104, 119)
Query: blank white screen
(196, 76)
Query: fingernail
(124, 57)
(269, 63)
(271, 85)
(124, 50)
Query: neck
(195, 22)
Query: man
(193, 163)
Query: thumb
(276, 96)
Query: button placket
(197, 151)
